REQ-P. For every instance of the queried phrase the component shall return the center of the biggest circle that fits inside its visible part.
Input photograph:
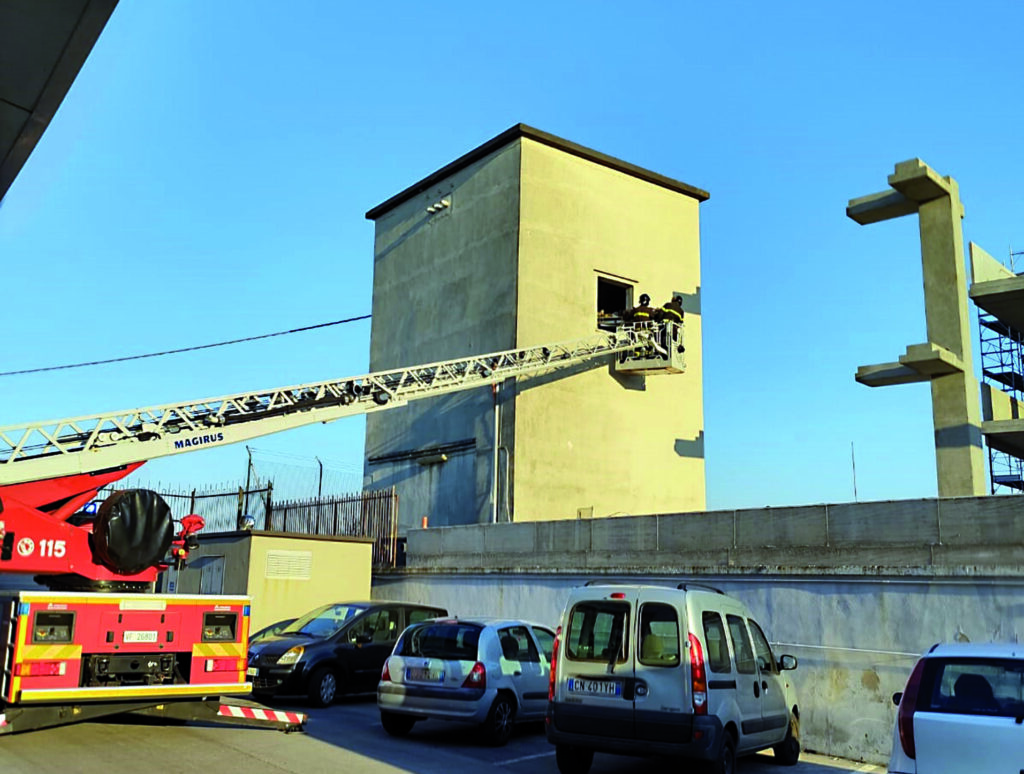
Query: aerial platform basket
(664, 354)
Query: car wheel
(573, 760)
(498, 726)
(395, 724)
(787, 752)
(323, 687)
(726, 761)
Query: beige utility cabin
(527, 240)
(286, 574)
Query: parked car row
(633, 669)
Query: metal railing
(367, 514)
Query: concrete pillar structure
(945, 359)
(524, 241)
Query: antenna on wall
(853, 464)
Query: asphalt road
(344, 737)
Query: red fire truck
(98, 642)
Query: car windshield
(450, 641)
(324, 621)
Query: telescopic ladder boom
(61, 447)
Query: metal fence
(371, 513)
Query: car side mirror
(897, 698)
(787, 662)
(363, 638)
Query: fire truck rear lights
(41, 669)
(225, 664)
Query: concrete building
(521, 242)
(945, 360)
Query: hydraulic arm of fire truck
(50, 470)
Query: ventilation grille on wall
(290, 565)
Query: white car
(962, 712)
(492, 672)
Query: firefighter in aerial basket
(671, 311)
(642, 313)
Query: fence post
(393, 509)
(192, 502)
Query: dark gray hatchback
(337, 648)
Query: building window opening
(613, 298)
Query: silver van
(655, 670)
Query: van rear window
(598, 631)
(449, 641)
(973, 687)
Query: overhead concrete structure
(999, 293)
(945, 359)
(996, 289)
(525, 240)
(43, 45)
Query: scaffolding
(1002, 368)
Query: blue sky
(207, 177)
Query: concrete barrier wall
(945, 536)
(855, 591)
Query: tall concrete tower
(523, 241)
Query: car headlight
(292, 655)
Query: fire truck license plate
(140, 636)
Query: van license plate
(595, 687)
(424, 675)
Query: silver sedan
(488, 671)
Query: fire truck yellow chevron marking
(218, 649)
(19, 648)
(50, 652)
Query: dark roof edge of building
(93, 18)
(523, 130)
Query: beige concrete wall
(594, 440)
(444, 287)
(339, 571)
